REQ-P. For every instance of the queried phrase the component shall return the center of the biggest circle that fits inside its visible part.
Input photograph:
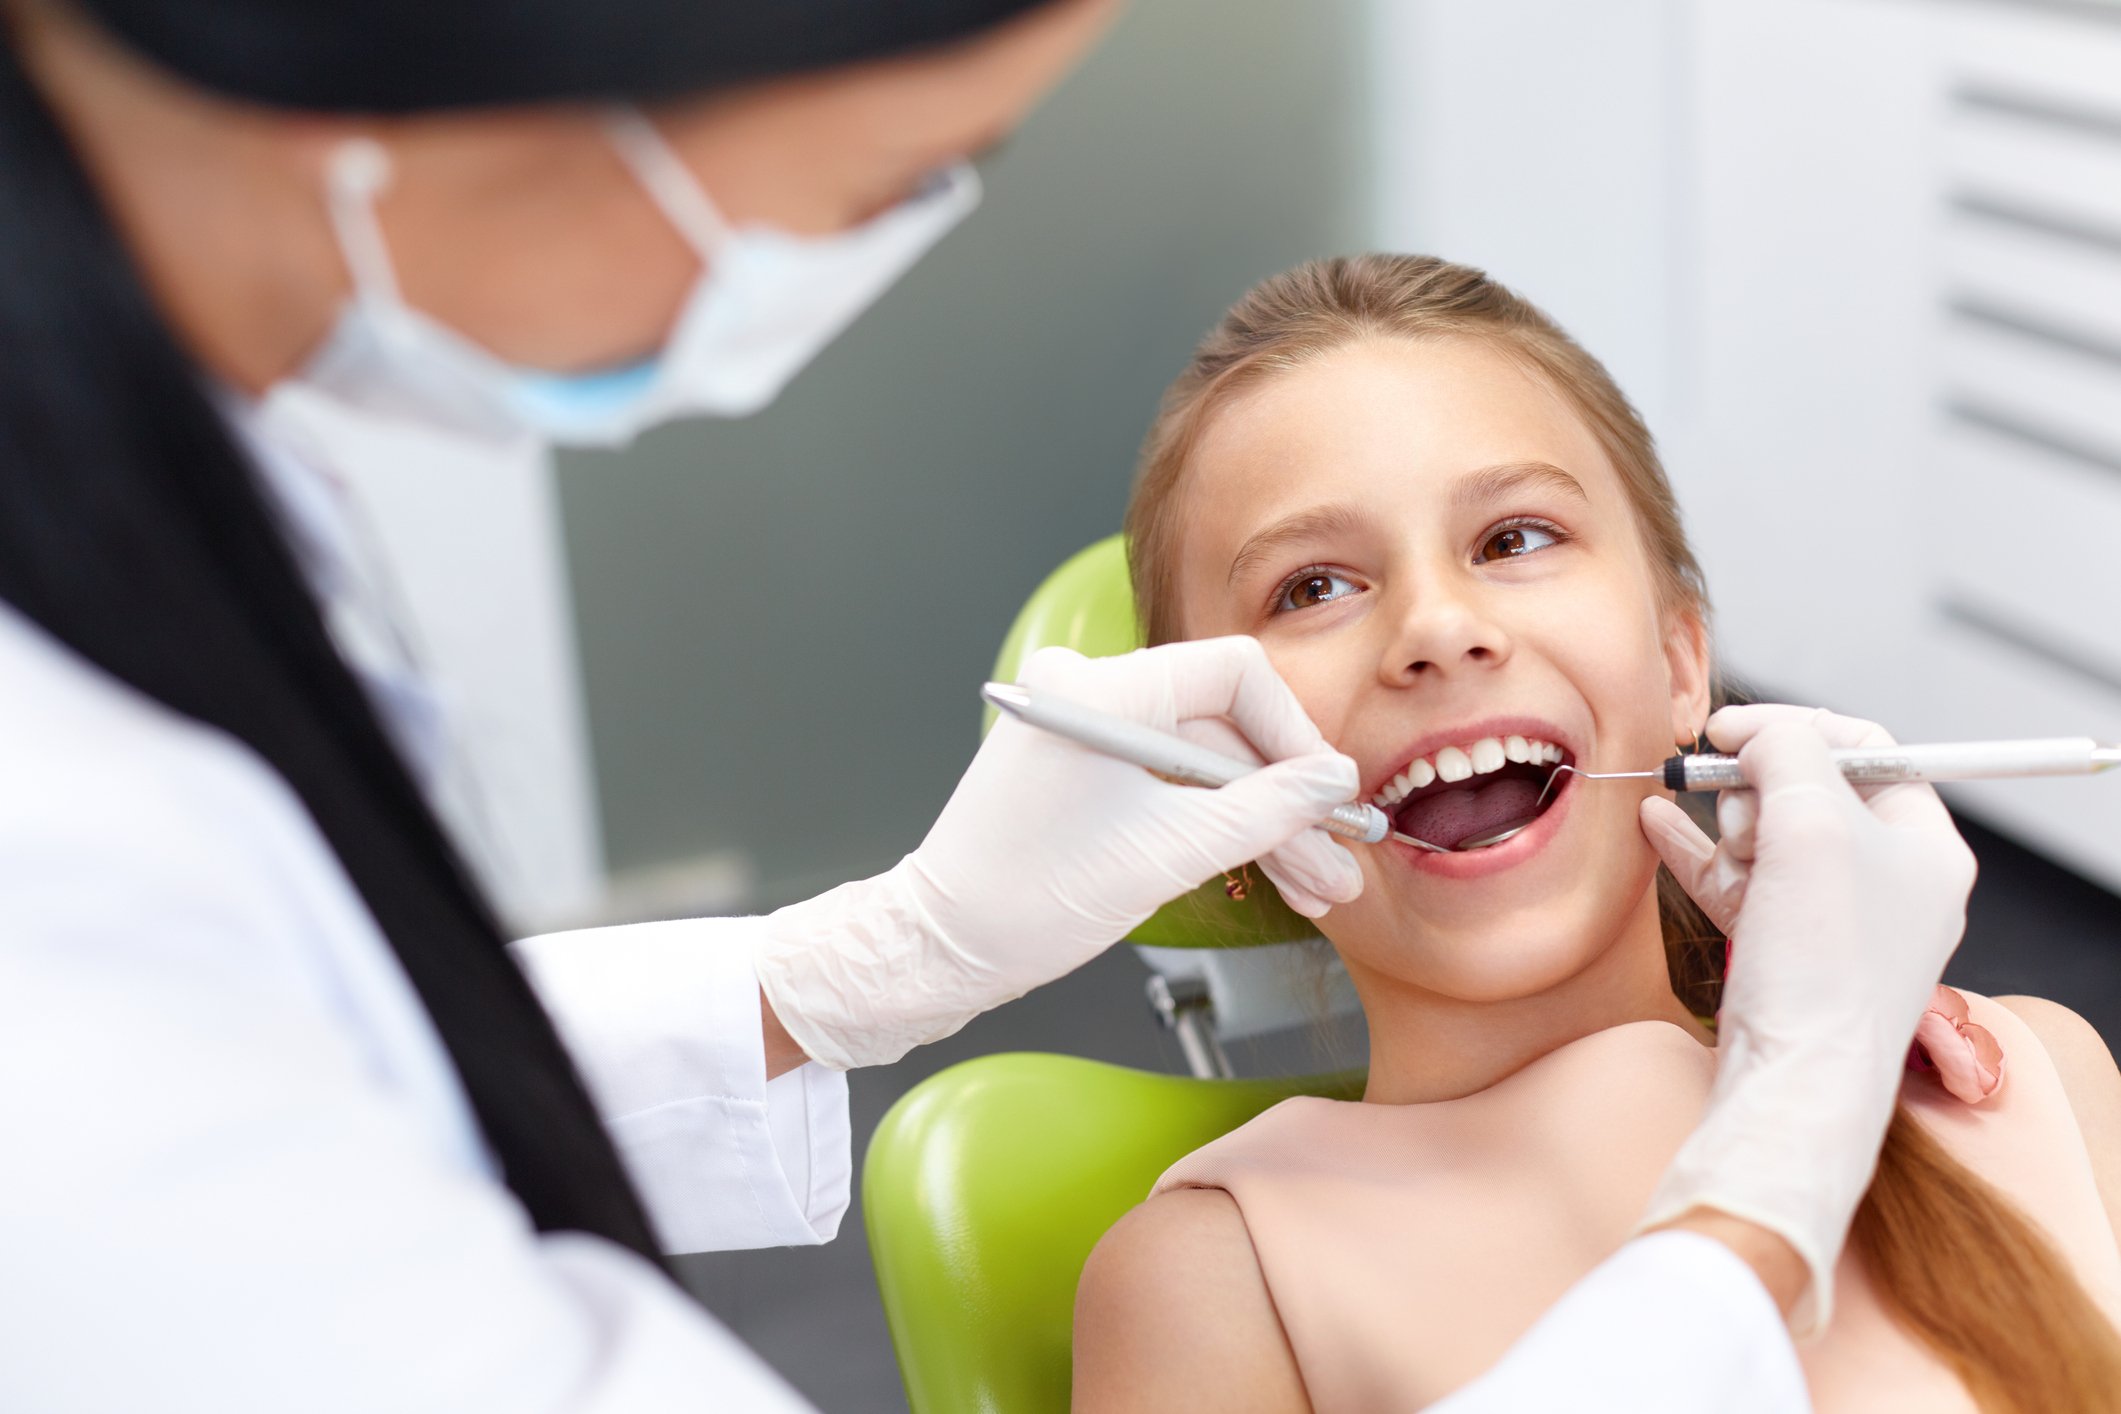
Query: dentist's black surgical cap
(403, 56)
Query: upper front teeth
(1458, 763)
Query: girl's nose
(1442, 631)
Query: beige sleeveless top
(1407, 1246)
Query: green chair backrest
(1088, 605)
(986, 1187)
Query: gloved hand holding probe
(1048, 853)
(1843, 905)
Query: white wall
(1810, 236)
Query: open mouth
(1476, 794)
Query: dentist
(288, 1126)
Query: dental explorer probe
(1879, 765)
(1171, 757)
(1860, 766)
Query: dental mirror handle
(1171, 757)
(1937, 761)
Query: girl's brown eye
(1515, 540)
(1315, 590)
(1309, 590)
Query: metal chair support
(1184, 1007)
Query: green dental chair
(986, 1186)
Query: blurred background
(1858, 261)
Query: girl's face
(1440, 560)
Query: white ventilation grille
(2030, 286)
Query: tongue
(1450, 817)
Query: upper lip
(1470, 732)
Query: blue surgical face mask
(765, 303)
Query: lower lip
(1494, 858)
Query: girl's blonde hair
(1955, 1261)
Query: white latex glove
(1048, 853)
(1842, 906)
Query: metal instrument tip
(1005, 695)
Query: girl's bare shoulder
(2090, 1081)
(1173, 1312)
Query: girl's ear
(1686, 653)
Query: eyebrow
(1319, 521)
(1478, 488)
(1493, 483)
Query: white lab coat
(238, 1172)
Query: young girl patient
(1452, 535)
